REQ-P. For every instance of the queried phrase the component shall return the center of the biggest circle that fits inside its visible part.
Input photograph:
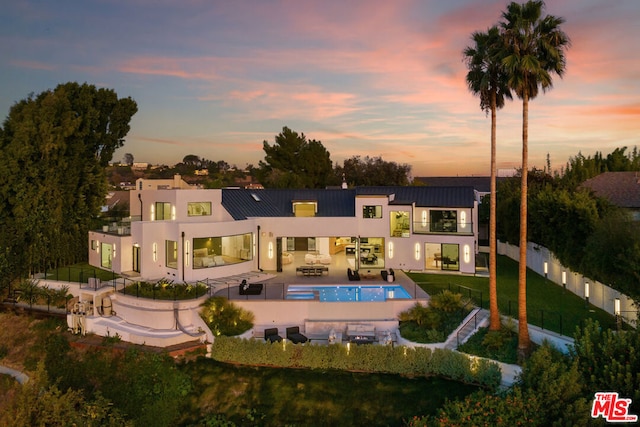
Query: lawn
(548, 305)
(276, 397)
(80, 273)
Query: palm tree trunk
(523, 326)
(494, 319)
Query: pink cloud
(34, 65)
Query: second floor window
(198, 208)
(369, 211)
(444, 221)
(163, 211)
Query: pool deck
(276, 283)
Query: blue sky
(377, 78)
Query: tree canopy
(54, 148)
(294, 162)
(372, 171)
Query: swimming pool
(347, 293)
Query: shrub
(165, 290)
(225, 318)
(433, 323)
(365, 358)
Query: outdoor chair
(384, 274)
(294, 335)
(392, 274)
(271, 335)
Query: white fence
(543, 262)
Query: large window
(370, 252)
(372, 211)
(442, 256)
(163, 211)
(443, 221)
(171, 253)
(198, 208)
(399, 224)
(222, 250)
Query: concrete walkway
(19, 376)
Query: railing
(474, 294)
(473, 319)
(443, 227)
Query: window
(222, 250)
(399, 224)
(163, 211)
(442, 256)
(305, 208)
(171, 253)
(443, 221)
(106, 255)
(372, 211)
(198, 208)
(450, 256)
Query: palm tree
(534, 50)
(486, 79)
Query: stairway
(469, 328)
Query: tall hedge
(366, 358)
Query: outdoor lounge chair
(294, 335)
(271, 335)
(250, 289)
(384, 274)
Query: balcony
(119, 228)
(443, 227)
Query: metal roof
(243, 204)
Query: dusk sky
(378, 78)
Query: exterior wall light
(186, 252)
(424, 218)
(546, 269)
(155, 252)
(153, 212)
(173, 213)
(417, 249)
(467, 254)
(390, 249)
(463, 219)
(564, 279)
(270, 250)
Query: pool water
(347, 293)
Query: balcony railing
(443, 227)
(121, 228)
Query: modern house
(187, 234)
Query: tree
(128, 159)
(55, 148)
(486, 78)
(372, 171)
(534, 50)
(294, 162)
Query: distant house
(621, 189)
(115, 199)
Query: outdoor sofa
(250, 289)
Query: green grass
(80, 272)
(300, 397)
(548, 305)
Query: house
(621, 189)
(188, 234)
